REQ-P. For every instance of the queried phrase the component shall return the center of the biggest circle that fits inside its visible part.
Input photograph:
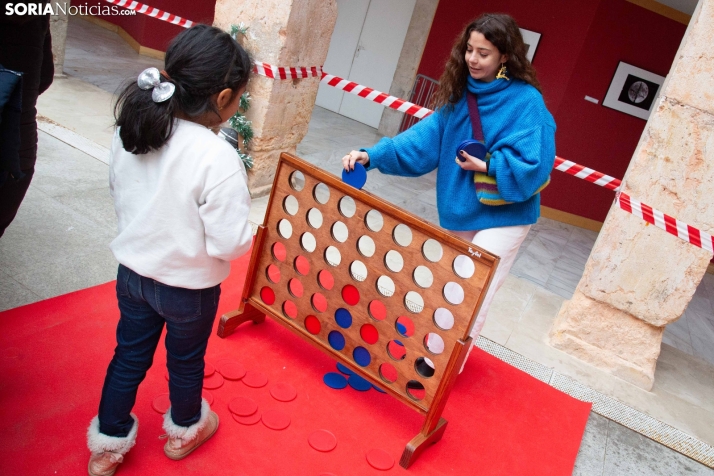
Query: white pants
(503, 242)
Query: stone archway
(638, 278)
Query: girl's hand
(348, 161)
(472, 163)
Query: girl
(489, 61)
(181, 198)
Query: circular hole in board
(423, 277)
(377, 310)
(366, 246)
(285, 229)
(295, 288)
(358, 270)
(464, 266)
(416, 390)
(273, 274)
(291, 205)
(396, 350)
(290, 309)
(453, 293)
(279, 251)
(325, 279)
(424, 367)
(374, 220)
(333, 257)
(443, 318)
(297, 181)
(432, 250)
(321, 193)
(434, 343)
(267, 295)
(339, 232)
(405, 326)
(314, 218)
(385, 286)
(414, 302)
(319, 302)
(393, 261)
(388, 372)
(302, 265)
(402, 235)
(347, 206)
(308, 242)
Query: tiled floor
(58, 243)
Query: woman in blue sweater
(488, 60)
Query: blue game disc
(378, 389)
(336, 340)
(344, 369)
(335, 380)
(472, 147)
(358, 383)
(401, 328)
(357, 177)
(361, 356)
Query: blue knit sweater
(520, 135)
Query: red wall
(153, 33)
(580, 48)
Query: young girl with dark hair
(489, 61)
(181, 198)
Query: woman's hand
(348, 161)
(471, 163)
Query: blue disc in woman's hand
(472, 147)
(357, 177)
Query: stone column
(58, 30)
(281, 33)
(408, 64)
(639, 278)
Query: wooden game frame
(457, 341)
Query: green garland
(239, 122)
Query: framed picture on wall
(633, 90)
(531, 39)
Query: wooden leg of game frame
(231, 320)
(421, 442)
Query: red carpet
(54, 354)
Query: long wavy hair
(501, 30)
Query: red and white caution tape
(278, 72)
(153, 12)
(585, 173)
(667, 223)
(376, 96)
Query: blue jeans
(145, 305)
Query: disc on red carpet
(208, 369)
(322, 440)
(161, 403)
(230, 370)
(255, 379)
(283, 392)
(380, 459)
(248, 420)
(242, 406)
(208, 396)
(213, 382)
(276, 420)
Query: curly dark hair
(501, 30)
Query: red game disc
(312, 324)
(369, 333)
(208, 369)
(161, 403)
(279, 251)
(325, 279)
(377, 310)
(273, 273)
(295, 287)
(350, 294)
(283, 392)
(322, 440)
(276, 420)
(302, 265)
(231, 370)
(213, 382)
(380, 459)
(267, 295)
(208, 396)
(249, 420)
(242, 406)
(290, 309)
(255, 379)
(319, 302)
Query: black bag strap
(474, 115)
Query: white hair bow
(151, 78)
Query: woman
(488, 60)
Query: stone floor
(58, 243)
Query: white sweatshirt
(183, 210)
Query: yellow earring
(502, 73)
